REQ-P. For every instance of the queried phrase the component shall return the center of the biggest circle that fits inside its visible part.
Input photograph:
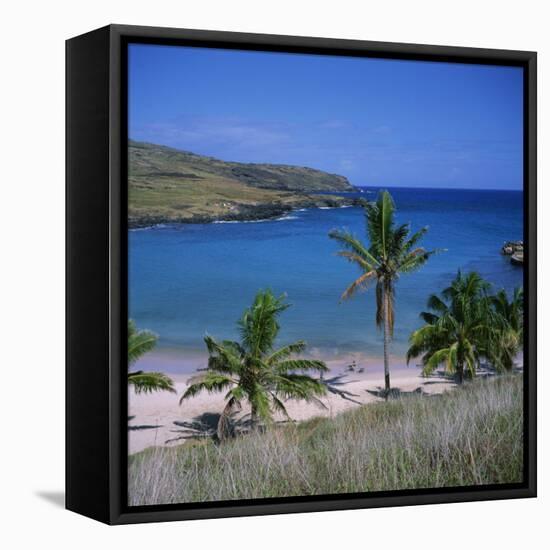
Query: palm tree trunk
(385, 315)
(253, 417)
(460, 373)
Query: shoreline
(247, 213)
(158, 420)
(182, 362)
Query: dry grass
(470, 436)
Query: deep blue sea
(191, 279)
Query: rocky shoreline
(245, 212)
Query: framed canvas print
(301, 274)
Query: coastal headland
(167, 185)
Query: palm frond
(437, 304)
(298, 386)
(148, 382)
(379, 217)
(139, 342)
(302, 365)
(428, 317)
(414, 239)
(225, 357)
(259, 324)
(353, 244)
(435, 359)
(416, 259)
(208, 381)
(360, 284)
(286, 351)
(426, 339)
(399, 240)
(278, 405)
(354, 258)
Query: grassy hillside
(470, 436)
(168, 185)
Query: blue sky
(378, 122)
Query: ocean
(189, 280)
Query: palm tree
(139, 343)
(506, 338)
(391, 251)
(252, 370)
(456, 330)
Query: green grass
(470, 436)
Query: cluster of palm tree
(467, 326)
(251, 370)
(254, 371)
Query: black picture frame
(96, 272)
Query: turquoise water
(191, 279)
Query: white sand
(154, 415)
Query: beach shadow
(204, 425)
(338, 380)
(142, 426)
(145, 427)
(332, 387)
(57, 498)
(439, 377)
(486, 371)
(396, 393)
(443, 377)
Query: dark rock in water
(515, 250)
(517, 258)
(511, 247)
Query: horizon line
(130, 139)
(440, 188)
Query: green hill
(169, 185)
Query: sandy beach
(158, 420)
